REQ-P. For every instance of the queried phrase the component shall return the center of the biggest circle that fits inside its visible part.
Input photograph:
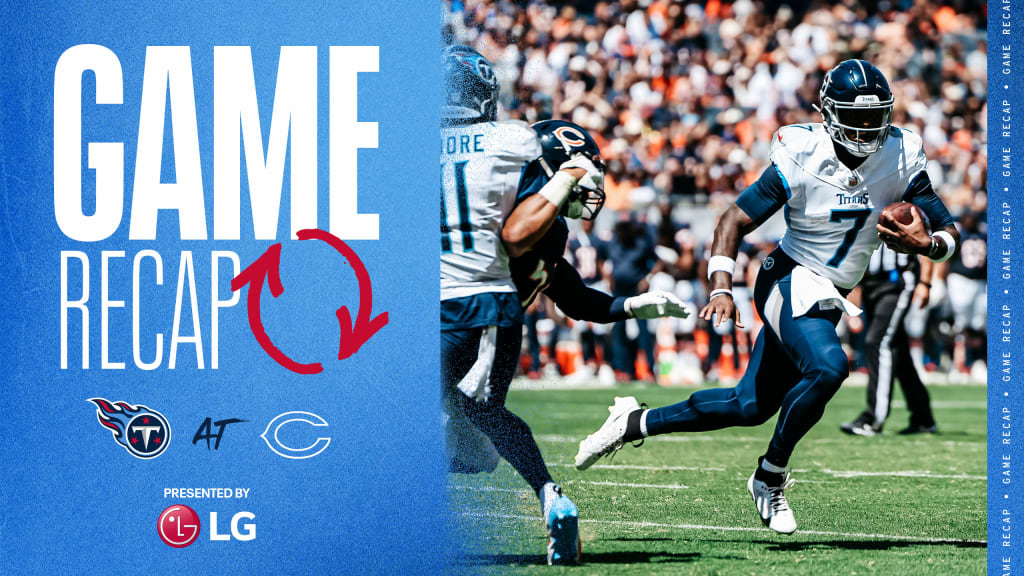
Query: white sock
(769, 467)
(548, 494)
(643, 423)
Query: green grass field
(889, 505)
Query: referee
(890, 284)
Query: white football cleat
(772, 505)
(608, 438)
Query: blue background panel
(71, 499)
(1005, 301)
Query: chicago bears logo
(143, 432)
(273, 431)
(569, 137)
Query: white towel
(477, 382)
(808, 289)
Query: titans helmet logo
(144, 433)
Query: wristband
(721, 264)
(719, 292)
(927, 284)
(557, 190)
(947, 240)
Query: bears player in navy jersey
(833, 180)
(544, 268)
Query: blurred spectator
(684, 97)
(588, 253)
(967, 295)
(632, 258)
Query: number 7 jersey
(830, 210)
(481, 165)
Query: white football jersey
(831, 211)
(480, 169)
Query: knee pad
(752, 416)
(834, 368)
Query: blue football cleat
(564, 545)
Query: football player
(543, 268)
(481, 317)
(537, 246)
(833, 179)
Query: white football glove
(655, 304)
(593, 179)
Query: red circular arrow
(353, 335)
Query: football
(901, 212)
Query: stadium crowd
(683, 99)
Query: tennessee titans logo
(480, 66)
(144, 433)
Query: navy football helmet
(471, 88)
(560, 141)
(856, 107)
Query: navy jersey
(588, 254)
(972, 258)
(632, 262)
(543, 267)
(533, 271)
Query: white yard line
(901, 474)
(629, 484)
(639, 467)
(575, 482)
(626, 523)
(558, 438)
(489, 489)
(833, 473)
(666, 438)
(677, 486)
(949, 404)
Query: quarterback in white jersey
(831, 209)
(833, 181)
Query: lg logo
(179, 526)
(247, 533)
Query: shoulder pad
(512, 140)
(798, 139)
(913, 147)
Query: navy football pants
(509, 434)
(795, 373)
